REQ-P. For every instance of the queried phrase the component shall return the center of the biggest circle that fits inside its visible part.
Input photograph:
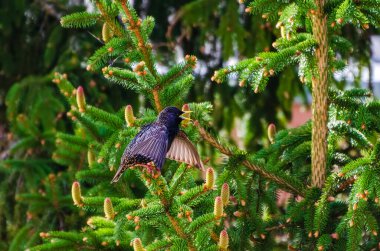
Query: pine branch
(162, 194)
(180, 231)
(179, 71)
(146, 51)
(193, 194)
(261, 171)
(80, 20)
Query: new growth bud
(209, 178)
(108, 209)
(90, 157)
(44, 235)
(139, 67)
(242, 83)
(271, 132)
(225, 194)
(137, 245)
(218, 207)
(106, 33)
(238, 214)
(186, 108)
(76, 194)
(279, 24)
(129, 117)
(191, 60)
(355, 206)
(129, 217)
(248, 9)
(223, 240)
(81, 101)
(334, 236)
(283, 31)
(143, 203)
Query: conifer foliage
(235, 209)
(310, 39)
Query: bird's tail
(118, 174)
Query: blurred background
(33, 46)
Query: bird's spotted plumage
(160, 140)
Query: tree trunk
(319, 95)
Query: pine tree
(33, 188)
(235, 207)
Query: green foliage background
(43, 152)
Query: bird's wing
(152, 143)
(183, 150)
(139, 136)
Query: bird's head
(171, 116)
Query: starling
(160, 140)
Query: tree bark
(319, 96)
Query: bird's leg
(147, 166)
(153, 170)
(150, 168)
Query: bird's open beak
(186, 115)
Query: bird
(160, 140)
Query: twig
(261, 171)
(176, 226)
(281, 226)
(341, 187)
(180, 232)
(145, 50)
(134, 27)
(156, 98)
(214, 236)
